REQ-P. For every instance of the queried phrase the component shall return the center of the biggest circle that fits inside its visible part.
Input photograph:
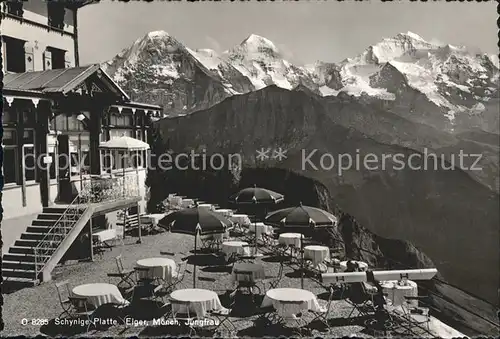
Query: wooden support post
(91, 241)
(94, 126)
(139, 241)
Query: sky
(304, 32)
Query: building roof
(55, 81)
(75, 4)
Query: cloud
(213, 43)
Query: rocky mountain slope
(444, 86)
(449, 204)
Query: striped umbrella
(301, 219)
(195, 221)
(256, 196)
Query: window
(9, 137)
(15, 58)
(29, 117)
(52, 168)
(55, 11)
(29, 136)
(10, 165)
(62, 122)
(29, 163)
(122, 120)
(15, 8)
(9, 116)
(58, 58)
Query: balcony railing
(98, 189)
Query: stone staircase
(18, 268)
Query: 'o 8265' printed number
(35, 321)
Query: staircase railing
(56, 234)
(94, 190)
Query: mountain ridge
(461, 87)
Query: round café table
(290, 239)
(257, 272)
(158, 268)
(100, 294)
(200, 301)
(361, 264)
(305, 300)
(317, 254)
(237, 247)
(397, 291)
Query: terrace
(33, 311)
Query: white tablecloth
(207, 206)
(200, 301)
(275, 297)
(241, 219)
(185, 203)
(175, 200)
(317, 254)
(162, 268)
(100, 294)
(261, 228)
(238, 247)
(290, 239)
(362, 265)
(225, 212)
(397, 293)
(258, 272)
(152, 218)
(217, 236)
(104, 235)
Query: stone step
(26, 250)
(23, 258)
(30, 274)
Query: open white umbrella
(124, 143)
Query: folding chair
(144, 284)
(324, 312)
(81, 308)
(288, 320)
(181, 313)
(124, 275)
(120, 235)
(245, 281)
(64, 293)
(179, 274)
(418, 316)
(223, 314)
(360, 300)
(274, 280)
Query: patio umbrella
(256, 196)
(195, 221)
(301, 219)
